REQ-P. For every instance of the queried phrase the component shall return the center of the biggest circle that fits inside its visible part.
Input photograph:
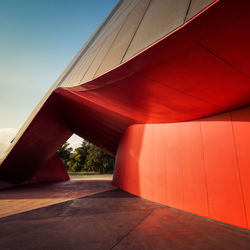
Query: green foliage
(87, 158)
(65, 152)
(97, 160)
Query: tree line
(86, 158)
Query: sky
(38, 39)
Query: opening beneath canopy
(84, 160)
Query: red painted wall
(201, 166)
(51, 171)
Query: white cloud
(6, 136)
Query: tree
(98, 160)
(87, 158)
(77, 159)
(65, 152)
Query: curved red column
(37, 147)
(200, 166)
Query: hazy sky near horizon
(38, 39)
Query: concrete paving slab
(168, 228)
(116, 220)
(31, 196)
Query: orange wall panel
(241, 130)
(194, 176)
(159, 177)
(174, 178)
(224, 191)
(200, 166)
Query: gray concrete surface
(116, 220)
(27, 197)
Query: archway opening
(83, 159)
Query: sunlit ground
(32, 196)
(91, 177)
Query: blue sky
(38, 39)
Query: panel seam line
(205, 171)
(124, 236)
(223, 60)
(190, 1)
(238, 169)
(135, 31)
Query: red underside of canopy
(201, 69)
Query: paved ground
(92, 177)
(114, 220)
(27, 197)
